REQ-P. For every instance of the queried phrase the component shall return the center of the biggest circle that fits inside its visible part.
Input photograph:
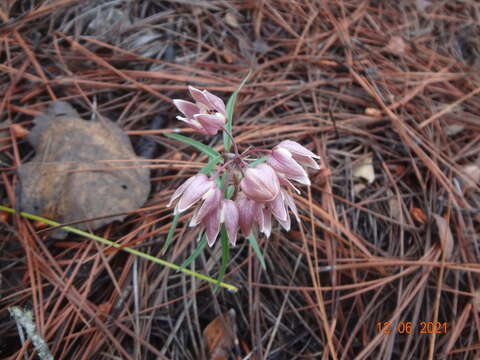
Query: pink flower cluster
(263, 190)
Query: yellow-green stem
(118, 246)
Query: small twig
(24, 319)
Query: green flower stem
(124, 248)
(235, 148)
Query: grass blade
(208, 169)
(253, 242)
(170, 234)
(196, 144)
(225, 256)
(201, 245)
(258, 161)
(227, 143)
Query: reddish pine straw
(324, 75)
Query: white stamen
(196, 123)
(222, 216)
(208, 193)
(220, 116)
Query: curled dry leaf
(363, 170)
(445, 234)
(82, 169)
(221, 336)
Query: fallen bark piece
(81, 170)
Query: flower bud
(266, 227)
(260, 183)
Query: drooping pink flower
(190, 192)
(230, 217)
(245, 213)
(207, 115)
(279, 208)
(221, 212)
(212, 226)
(211, 202)
(259, 214)
(282, 161)
(207, 100)
(300, 153)
(266, 227)
(260, 183)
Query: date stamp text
(409, 327)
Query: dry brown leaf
(231, 20)
(394, 205)
(221, 336)
(418, 215)
(372, 111)
(397, 169)
(396, 45)
(454, 129)
(177, 156)
(228, 56)
(471, 175)
(76, 174)
(363, 170)
(4, 217)
(18, 131)
(358, 188)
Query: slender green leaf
(196, 144)
(227, 143)
(201, 245)
(225, 256)
(258, 161)
(170, 234)
(209, 167)
(253, 242)
(120, 247)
